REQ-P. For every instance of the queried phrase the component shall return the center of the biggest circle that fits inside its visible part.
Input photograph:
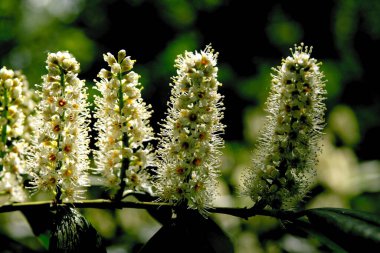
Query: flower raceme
(284, 160)
(190, 142)
(188, 152)
(123, 126)
(15, 108)
(58, 158)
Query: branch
(244, 213)
(96, 203)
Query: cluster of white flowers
(28, 106)
(58, 158)
(15, 108)
(189, 148)
(123, 126)
(286, 155)
(188, 152)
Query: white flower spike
(123, 126)
(284, 160)
(189, 148)
(15, 106)
(58, 159)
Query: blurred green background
(251, 38)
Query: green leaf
(72, 233)
(307, 227)
(351, 230)
(44, 240)
(368, 217)
(189, 233)
(8, 244)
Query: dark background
(248, 35)
(251, 38)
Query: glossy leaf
(351, 230)
(72, 233)
(190, 233)
(298, 225)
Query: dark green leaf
(368, 217)
(189, 233)
(161, 213)
(8, 244)
(44, 240)
(351, 230)
(40, 219)
(308, 228)
(72, 233)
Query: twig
(244, 213)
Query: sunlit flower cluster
(28, 106)
(189, 148)
(58, 159)
(123, 126)
(49, 143)
(14, 109)
(284, 161)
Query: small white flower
(10, 184)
